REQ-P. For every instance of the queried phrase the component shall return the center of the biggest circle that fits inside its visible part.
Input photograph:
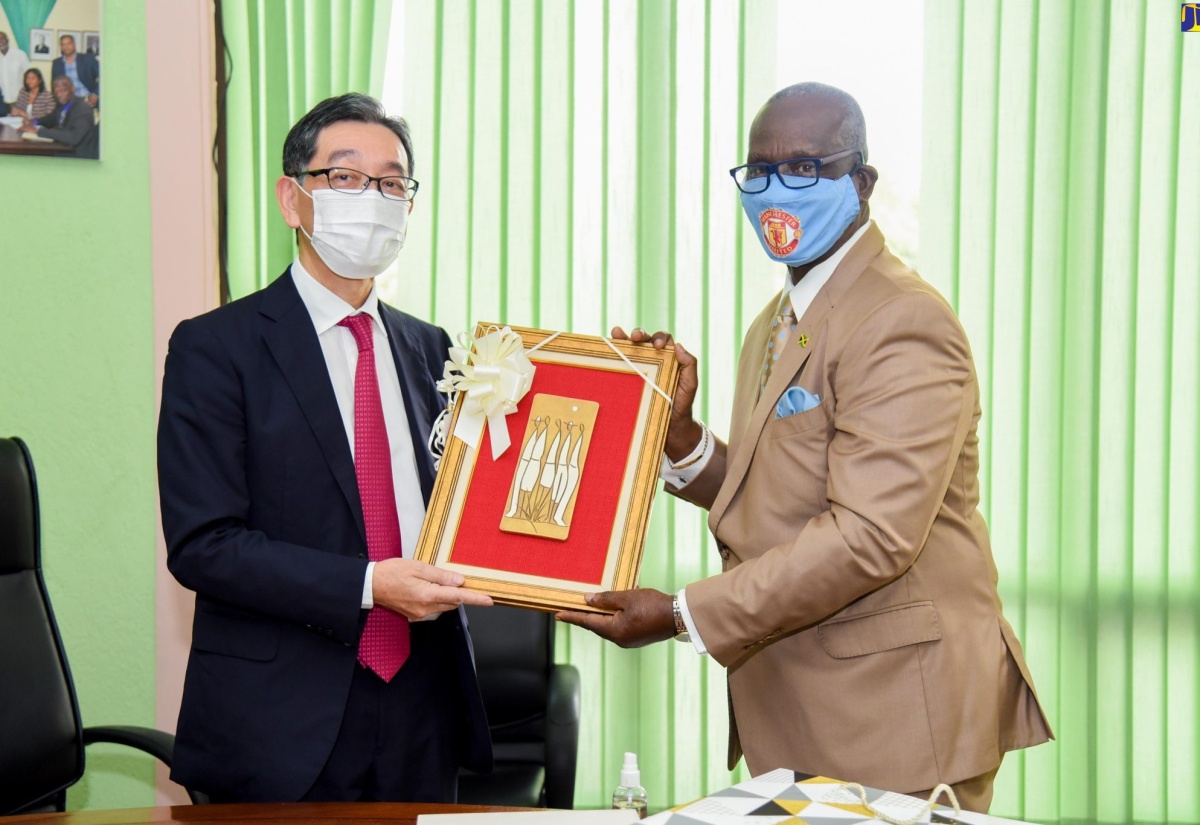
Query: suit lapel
(413, 369)
(293, 344)
(750, 370)
(793, 360)
(745, 403)
(762, 410)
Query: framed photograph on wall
(57, 130)
(562, 511)
(42, 45)
(75, 36)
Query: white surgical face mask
(357, 236)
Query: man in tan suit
(857, 613)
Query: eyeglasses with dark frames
(794, 173)
(352, 182)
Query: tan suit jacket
(858, 615)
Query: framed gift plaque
(562, 510)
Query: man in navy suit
(83, 69)
(326, 663)
(72, 122)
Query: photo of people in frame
(41, 44)
(57, 111)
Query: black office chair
(533, 711)
(41, 736)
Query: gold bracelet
(703, 450)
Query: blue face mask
(797, 226)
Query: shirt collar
(325, 308)
(802, 293)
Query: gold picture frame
(564, 510)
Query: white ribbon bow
(493, 373)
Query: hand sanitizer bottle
(630, 794)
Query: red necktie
(384, 644)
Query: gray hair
(852, 133)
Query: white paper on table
(521, 817)
(979, 819)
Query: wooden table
(357, 813)
(11, 143)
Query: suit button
(362, 555)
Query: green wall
(77, 383)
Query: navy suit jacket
(262, 518)
(86, 65)
(78, 128)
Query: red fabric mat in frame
(581, 557)
(617, 485)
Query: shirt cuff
(693, 634)
(368, 599)
(681, 474)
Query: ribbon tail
(469, 428)
(498, 430)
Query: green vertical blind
(572, 159)
(1060, 212)
(284, 57)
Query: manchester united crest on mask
(781, 231)
(801, 221)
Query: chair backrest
(533, 711)
(514, 654)
(41, 745)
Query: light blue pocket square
(796, 400)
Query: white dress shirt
(341, 359)
(13, 66)
(688, 468)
